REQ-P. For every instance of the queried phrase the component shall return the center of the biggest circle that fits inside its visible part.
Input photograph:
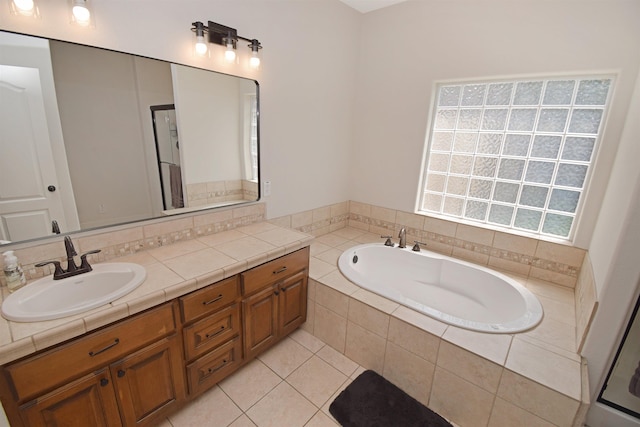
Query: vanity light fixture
(227, 37)
(81, 12)
(24, 8)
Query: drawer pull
(280, 270)
(217, 368)
(221, 330)
(216, 299)
(102, 350)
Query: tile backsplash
(525, 256)
(126, 240)
(529, 257)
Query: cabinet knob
(121, 373)
(104, 382)
(277, 292)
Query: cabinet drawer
(34, 375)
(269, 273)
(210, 369)
(206, 334)
(209, 299)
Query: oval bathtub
(453, 291)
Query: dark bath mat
(372, 401)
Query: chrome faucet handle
(416, 247)
(388, 242)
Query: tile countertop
(172, 271)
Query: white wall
(408, 47)
(306, 82)
(614, 255)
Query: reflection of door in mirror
(34, 188)
(165, 131)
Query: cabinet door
(88, 401)
(149, 381)
(260, 321)
(292, 304)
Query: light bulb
(230, 53)
(201, 46)
(81, 13)
(254, 61)
(24, 7)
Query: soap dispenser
(13, 272)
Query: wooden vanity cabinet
(211, 333)
(274, 300)
(138, 370)
(126, 374)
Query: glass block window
(514, 154)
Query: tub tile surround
(560, 264)
(474, 379)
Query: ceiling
(365, 6)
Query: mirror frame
(189, 211)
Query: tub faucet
(403, 238)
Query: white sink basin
(47, 299)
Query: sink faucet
(72, 268)
(403, 238)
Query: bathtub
(452, 291)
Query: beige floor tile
(337, 360)
(316, 380)
(320, 419)
(325, 407)
(283, 406)
(242, 421)
(250, 384)
(303, 337)
(285, 357)
(198, 412)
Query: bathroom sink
(47, 299)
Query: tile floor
(290, 385)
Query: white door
(29, 194)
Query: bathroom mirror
(94, 138)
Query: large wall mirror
(93, 138)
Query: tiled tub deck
(475, 379)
